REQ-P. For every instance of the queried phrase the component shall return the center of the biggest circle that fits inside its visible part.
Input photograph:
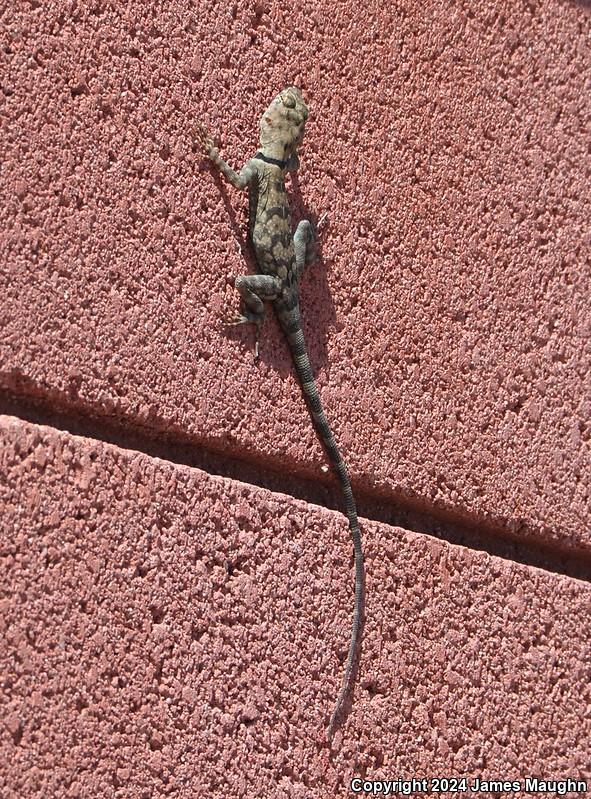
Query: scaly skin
(281, 257)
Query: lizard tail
(301, 360)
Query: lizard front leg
(303, 243)
(239, 180)
(255, 290)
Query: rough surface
(448, 320)
(166, 633)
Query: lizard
(280, 258)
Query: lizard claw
(240, 319)
(237, 320)
(321, 220)
(205, 142)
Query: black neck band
(274, 161)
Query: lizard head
(283, 123)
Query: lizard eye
(288, 100)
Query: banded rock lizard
(281, 256)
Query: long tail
(295, 336)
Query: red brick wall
(171, 632)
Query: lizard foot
(247, 319)
(205, 142)
(240, 319)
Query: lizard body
(281, 256)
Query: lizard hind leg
(255, 290)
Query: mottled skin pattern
(281, 256)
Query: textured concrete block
(448, 319)
(164, 632)
(168, 633)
